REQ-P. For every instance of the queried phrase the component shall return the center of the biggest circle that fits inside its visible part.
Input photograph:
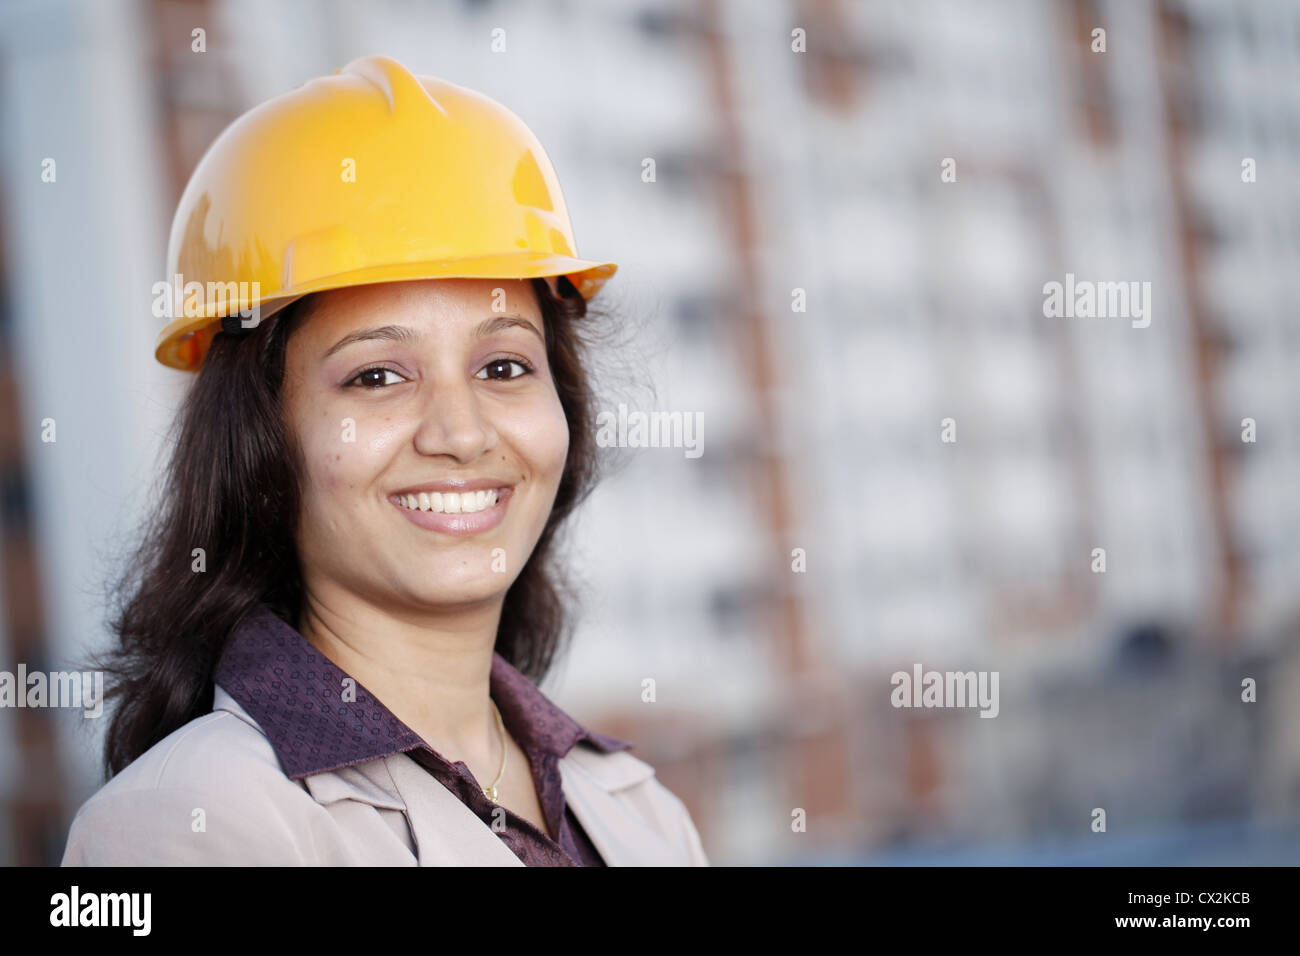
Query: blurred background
(802, 274)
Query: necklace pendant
(490, 793)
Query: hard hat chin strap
(565, 288)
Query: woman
(329, 642)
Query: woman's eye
(503, 367)
(376, 377)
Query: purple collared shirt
(295, 693)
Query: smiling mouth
(450, 503)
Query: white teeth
(449, 502)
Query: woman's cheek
(543, 440)
(347, 451)
(561, 439)
(382, 434)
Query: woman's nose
(453, 422)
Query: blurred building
(834, 223)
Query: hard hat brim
(184, 342)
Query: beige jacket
(213, 794)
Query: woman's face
(399, 390)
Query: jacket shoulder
(210, 793)
(613, 770)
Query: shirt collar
(303, 702)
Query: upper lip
(455, 485)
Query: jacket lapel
(447, 833)
(601, 789)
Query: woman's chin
(454, 590)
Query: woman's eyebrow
(501, 322)
(383, 333)
(408, 336)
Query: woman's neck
(432, 671)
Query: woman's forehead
(433, 302)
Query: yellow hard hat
(370, 174)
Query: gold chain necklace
(490, 791)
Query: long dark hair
(231, 488)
